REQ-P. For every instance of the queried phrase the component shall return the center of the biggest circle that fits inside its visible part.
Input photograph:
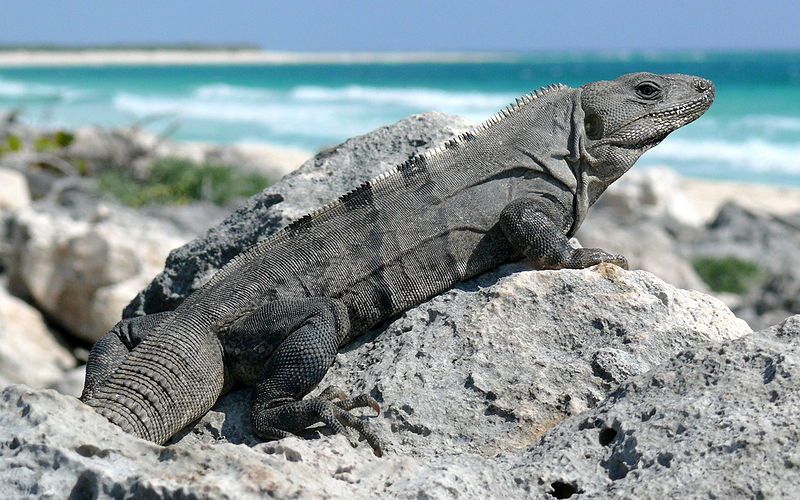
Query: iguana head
(625, 117)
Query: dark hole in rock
(616, 470)
(563, 489)
(607, 435)
(665, 459)
(88, 450)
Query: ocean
(751, 133)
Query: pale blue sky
(412, 25)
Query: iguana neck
(550, 132)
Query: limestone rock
(645, 243)
(653, 192)
(14, 191)
(71, 382)
(717, 421)
(520, 352)
(469, 382)
(82, 270)
(643, 217)
(29, 354)
(771, 242)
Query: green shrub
(727, 274)
(63, 138)
(174, 181)
(13, 143)
(58, 140)
(10, 144)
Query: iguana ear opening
(593, 125)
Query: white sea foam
(13, 89)
(220, 91)
(276, 115)
(752, 154)
(771, 122)
(327, 113)
(414, 97)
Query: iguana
(274, 317)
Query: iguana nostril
(701, 85)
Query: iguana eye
(648, 90)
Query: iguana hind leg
(107, 354)
(535, 226)
(301, 337)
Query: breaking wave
(225, 91)
(13, 89)
(754, 155)
(422, 98)
(333, 113)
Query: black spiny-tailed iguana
(274, 317)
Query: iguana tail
(164, 384)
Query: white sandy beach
(12, 58)
(708, 196)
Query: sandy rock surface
(717, 421)
(14, 192)
(29, 353)
(81, 269)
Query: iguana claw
(294, 417)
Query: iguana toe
(294, 417)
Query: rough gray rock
(772, 242)
(81, 268)
(318, 181)
(29, 353)
(521, 352)
(642, 216)
(468, 382)
(718, 421)
(14, 191)
(645, 242)
(654, 192)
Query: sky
(415, 25)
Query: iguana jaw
(635, 112)
(650, 129)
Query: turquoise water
(751, 133)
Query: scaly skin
(275, 316)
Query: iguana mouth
(651, 128)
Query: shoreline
(157, 57)
(707, 196)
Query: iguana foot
(582, 258)
(334, 393)
(285, 418)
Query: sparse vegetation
(43, 143)
(53, 142)
(727, 274)
(9, 144)
(173, 181)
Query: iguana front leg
(294, 342)
(534, 227)
(110, 351)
